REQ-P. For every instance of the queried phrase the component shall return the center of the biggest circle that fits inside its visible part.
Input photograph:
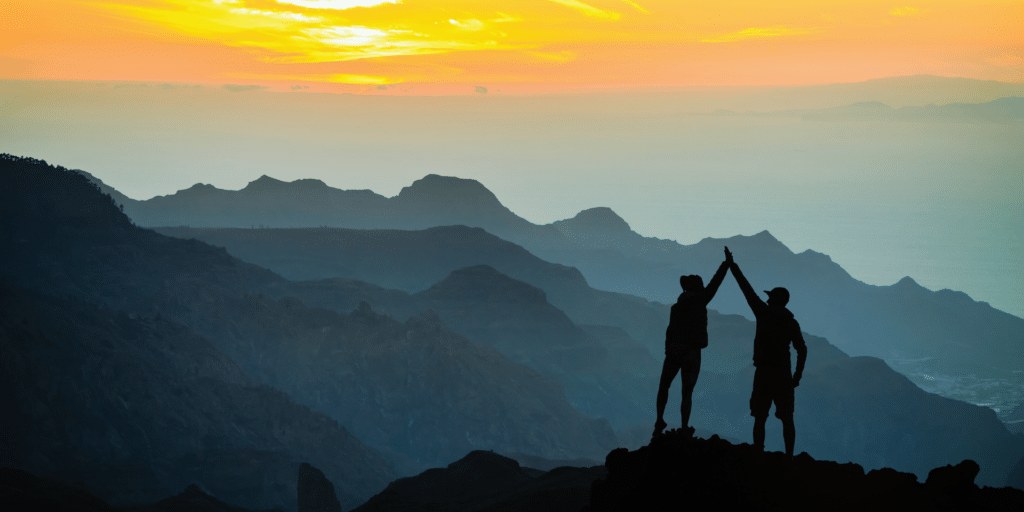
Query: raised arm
(755, 302)
(801, 354)
(716, 281)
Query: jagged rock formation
(315, 491)
(686, 472)
(483, 481)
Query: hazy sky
(556, 106)
(454, 46)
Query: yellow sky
(422, 46)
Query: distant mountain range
(1001, 111)
(419, 391)
(62, 238)
(899, 323)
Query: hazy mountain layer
(848, 409)
(415, 390)
(604, 372)
(139, 408)
(918, 332)
(1001, 110)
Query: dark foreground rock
(23, 491)
(316, 492)
(192, 499)
(486, 481)
(678, 470)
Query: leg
(684, 409)
(668, 374)
(759, 431)
(760, 404)
(784, 406)
(788, 434)
(689, 372)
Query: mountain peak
(434, 186)
(907, 283)
(481, 281)
(267, 183)
(602, 218)
(263, 183)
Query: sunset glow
(524, 46)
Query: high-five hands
(728, 256)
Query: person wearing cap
(686, 335)
(773, 382)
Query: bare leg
(689, 381)
(668, 374)
(759, 432)
(788, 435)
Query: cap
(779, 293)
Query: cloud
(299, 87)
(336, 4)
(479, 89)
(243, 88)
(382, 87)
(751, 33)
(282, 15)
(637, 7)
(470, 24)
(588, 10)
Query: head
(778, 297)
(691, 283)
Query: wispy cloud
(336, 4)
(751, 33)
(588, 10)
(637, 7)
(470, 24)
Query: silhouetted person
(773, 382)
(686, 335)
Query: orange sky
(421, 46)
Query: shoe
(659, 427)
(689, 431)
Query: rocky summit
(679, 470)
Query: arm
(716, 281)
(755, 302)
(801, 354)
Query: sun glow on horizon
(568, 43)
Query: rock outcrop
(676, 469)
(483, 481)
(315, 491)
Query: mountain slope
(63, 238)
(917, 331)
(139, 408)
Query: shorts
(772, 385)
(684, 360)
